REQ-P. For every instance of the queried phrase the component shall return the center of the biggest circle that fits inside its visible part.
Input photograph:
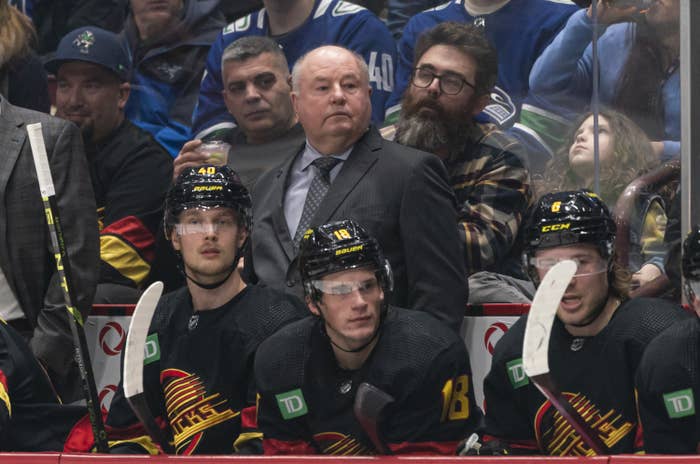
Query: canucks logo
(84, 41)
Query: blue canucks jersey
(331, 22)
(520, 31)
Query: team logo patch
(292, 404)
(193, 322)
(84, 41)
(680, 403)
(516, 373)
(152, 349)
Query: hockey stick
(82, 357)
(536, 346)
(369, 404)
(134, 355)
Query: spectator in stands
(31, 298)
(347, 171)
(200, 386)
(597, 340)
(400, 11)
(22, 78)
(32, 417)
(519, 29)
(55, 18)
(357, 338)
(667, 379)
(624, 154)
(257, 94)
(169, 42)
(234, 10)
(130, 172)
(300, 26)
(454, 71)
(639, 70)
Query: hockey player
(667, 380)
(300, 26)
(519, 29)
(308, 373)
(597, 341)
(199, 382)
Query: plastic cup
(216, 151)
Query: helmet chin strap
(218, 284)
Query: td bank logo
(680, 403)
(516, 373)
(292, 404)
(151, 349)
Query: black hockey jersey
(306, 399)
(595, 373)
(668, 384)
(198, 371)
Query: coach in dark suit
(347, 171)
(26, 255)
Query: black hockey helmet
(336, 247)
(208, 187)
(568, 218)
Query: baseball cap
(92, 45)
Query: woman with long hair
(23, 79)
(624, 154)
(638, 55)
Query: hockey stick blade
(536, 348)
(134, 355)
(369, 404)
(541, 316)
(63, 269)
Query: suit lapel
(12, 137)
(361, 159)
(279, 221)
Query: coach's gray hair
(251, 47)
(298, 65)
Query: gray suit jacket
(26, 255)
(401, 196)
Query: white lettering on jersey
(239, 25)
(381, 74)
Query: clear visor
(345, 288)
(584, 266)
(203, 220)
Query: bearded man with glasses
(455, 69)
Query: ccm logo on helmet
(344, 251)
(556, 227)
(207, 188)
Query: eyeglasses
(584, 266)
(343, 289)
(450, 83)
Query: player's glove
(470, 446)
